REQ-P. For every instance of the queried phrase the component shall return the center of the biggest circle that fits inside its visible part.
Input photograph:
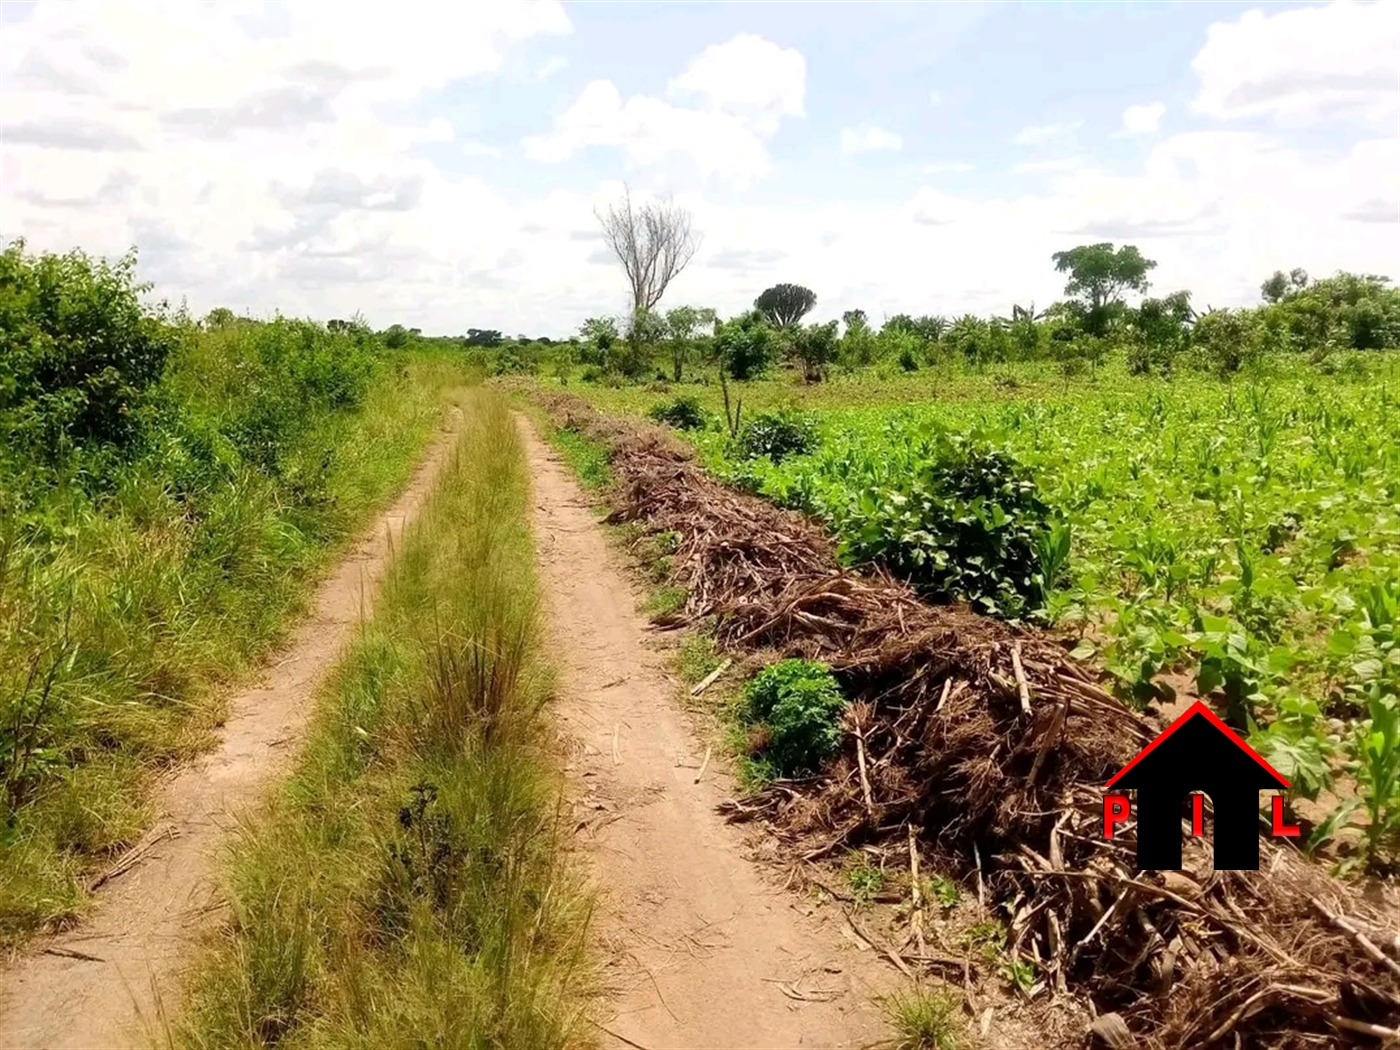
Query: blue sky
(440, 166)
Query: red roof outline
(1200, 708)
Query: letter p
(1115, 811)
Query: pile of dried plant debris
(993, 745)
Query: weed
(924, 1020)
(170, 492)
(778, 435)
(798, 704)
(697, 657)
(587, 458)
(866, 880)
(666, 601)
(684, 413)
(942, 890)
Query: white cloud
(249, 154)
(1052, 164)
(749, 78)
(870, 139)
(473, 148)
(1303, 65)
(266, 163)
(550, 66)
(739, 90)
(1144, 119)
(935, 98)
(1048, 134)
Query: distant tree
(815, 346)
(219, 317)
(684, 326)
(1098, 277)
(1280, 286)
(745, 345)
(857, 346)
(395, 337)
(784, 305)
(487, 337)
(654, 242)
(1160, 331)
(599, 335)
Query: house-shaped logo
(1198, 753)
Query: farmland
(1238, 537)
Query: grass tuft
(924, 1020)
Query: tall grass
(150, 552)
(405, 887)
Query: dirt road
(100, 984)
(700, 949)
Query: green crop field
(1233, 538)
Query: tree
(219, 317)
(1281, 286)
(784, 305)
(654, 242)
(487, 337)
(1098, 277)
(744, 345)
(684, 325)
(857, 347)
(599, 334)
(815, 346)
(395, 337)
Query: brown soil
(993, 745)
(700, 949)
(100, 984)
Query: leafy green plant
(684, 413)
(778, 435)
(865, 879)
(799, 705)
(943, 890)
(965, 523)
(79, 353)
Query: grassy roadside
(125, 617)
(406, 887)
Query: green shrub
(778, 435)
(78, 352)
(966, 523)
(799, 704)
(745, 345)
(684, 413)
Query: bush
(799, 704)
(966, 523)
(684, 413)
(778, 435)
(745, 345)
(78, 353)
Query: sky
(439, 166)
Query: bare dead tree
(654, 242)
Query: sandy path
(695, 939)
(99, 984)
